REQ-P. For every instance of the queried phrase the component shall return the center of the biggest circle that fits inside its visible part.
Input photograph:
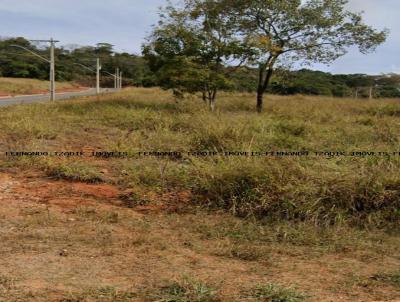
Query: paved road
(28, 99)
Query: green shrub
(74, 171)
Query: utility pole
(52, 71)
(114, 76)
(97, 72)
(120, 80)
(51, 61)
(117, 75)
(98, 68)
(52, 67)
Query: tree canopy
(191, 47)
(15, 62)
(296, 31)
(194, 45)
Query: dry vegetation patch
(16, 86)
(161, 228)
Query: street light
(98, 68)
(28, 50)
(118, 78)
(97, 72)
(115, 76)
(51, 61)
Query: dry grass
(361, 190)
(162, 229)
(15, 86)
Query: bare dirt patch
(68, 240)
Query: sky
(125, 24)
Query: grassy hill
(16, 86)
(190, 227)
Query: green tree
(191, 47)
(300, 31)
(358, 82)
(16, 62)
(388, 86)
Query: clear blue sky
(125, 23)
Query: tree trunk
(212, 98)
(264, 77)
(204, 97)
(212, 105)
(260, 90)
(260, 101)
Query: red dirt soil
(55, 234)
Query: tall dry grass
(335, 190)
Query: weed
(389, 278)
(102, 294)
(276, 293)
(186, 290)
(74, 171)
(131, 200)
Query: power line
(117, 76)
(51, 61)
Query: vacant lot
(200, 228)
(14, 86)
